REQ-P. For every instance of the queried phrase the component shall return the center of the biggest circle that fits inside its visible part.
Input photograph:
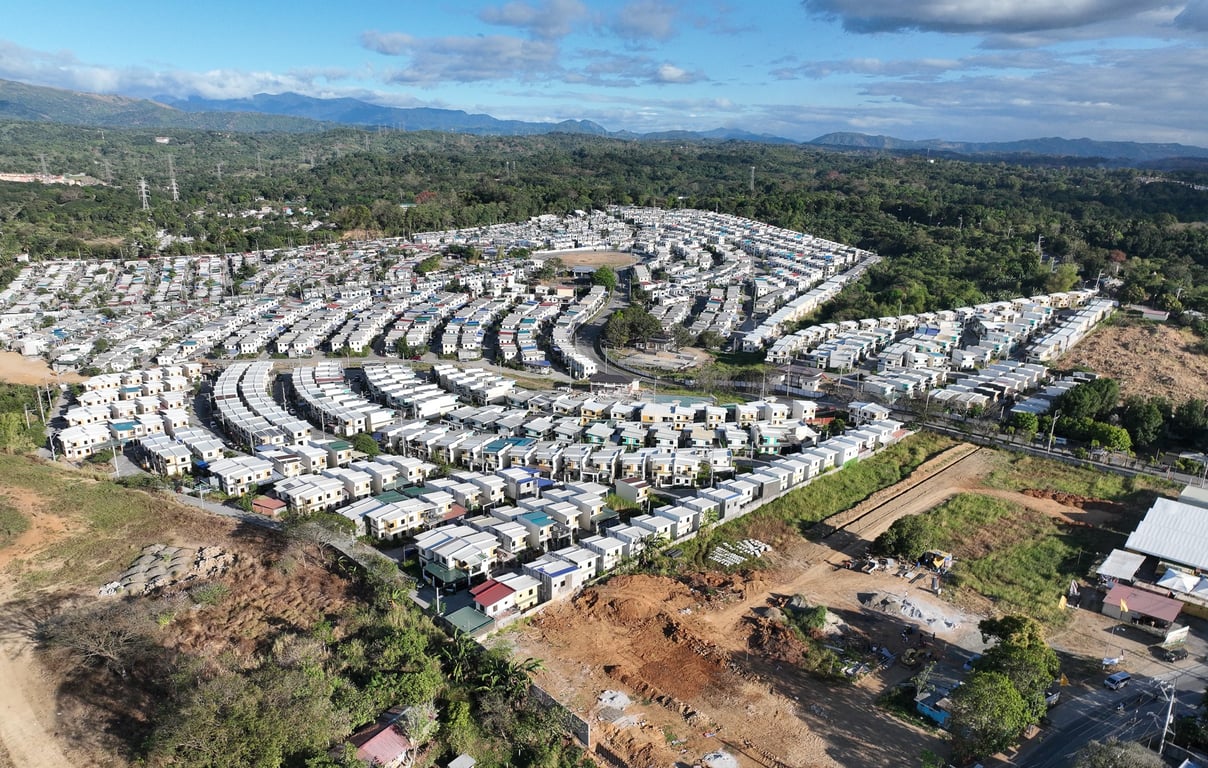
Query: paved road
(1133, 713)
(235, 514)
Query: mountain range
(295, 113)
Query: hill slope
(1053, 146)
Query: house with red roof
(383, 744)
(493, 598)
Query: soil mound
(629, 600)
(1074, 500)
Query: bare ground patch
(1148, 360)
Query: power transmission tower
(751, 184)
(45, 170)
(108, 171)
(142, 193)
(219, 166)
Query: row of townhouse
(275, 316)
(573, 548)
(993, 384)
(848, 350)
(1070, 331)
(474, 385)
(564, 345)
(523, 328)
(124, 409)
(249, 414)
(325, 398)
(398, 387)
(466, 331)
(119, 426)
(358, 331)
(810, 300)
(309, 334)
(1027, 313)
(180, 449)
(417, 324)
(328, 486)
(190, 372)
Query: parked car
(1175, 654)
(1117, 681)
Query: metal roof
(1173, 531)
(1121, 565)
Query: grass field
(1020, 472)
(105, 525)
(1018, 558)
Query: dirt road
(26, 710)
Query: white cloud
(435, 60)
(645, 20)
(545, 20)
(994, 16)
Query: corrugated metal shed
(1175, 532)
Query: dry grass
(105, 525)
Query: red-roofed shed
(1140, 605)
(383, 744)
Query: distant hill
(295, 113)
(357, 112)
(19, 101)
(1130, 151)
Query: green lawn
(1018, 558)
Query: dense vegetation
(301, 691)
(955, 232)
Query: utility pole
(1166, 722)
(1052, 427)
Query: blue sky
(953, 69)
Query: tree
(1144, 419)
(908, 538)
(1025, 424)
(605, 276)
(988, 714)
(1191, 419)
(113, 634)
(1022, 655)
(1116, 754)
(261, 718)
(364, 443)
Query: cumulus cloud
(917, 69)
(609, 69)
(1115, 93)
(465, 59)
(645, 20)
(990, 16)
(63, 69)
(546, 20)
